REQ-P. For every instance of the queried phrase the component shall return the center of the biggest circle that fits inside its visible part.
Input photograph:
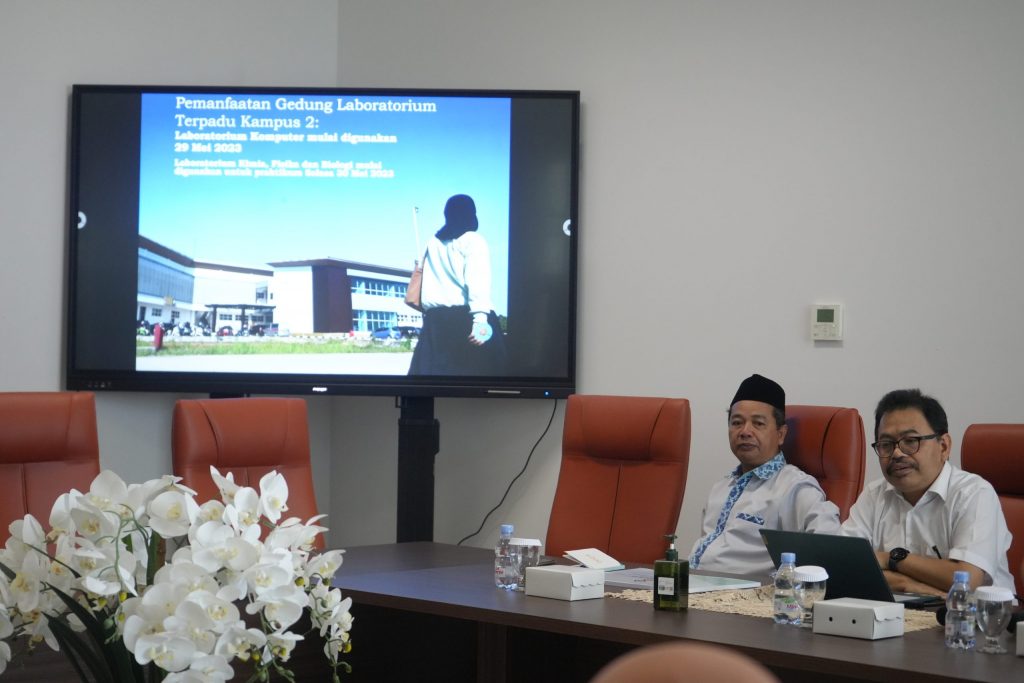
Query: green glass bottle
(671, 580)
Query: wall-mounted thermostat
(827, 322)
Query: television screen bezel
(217, 383)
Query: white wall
(741, 161)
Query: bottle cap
(507, 529)
(671, 553)
(787, 558)
(810, 573)
(961, 577)
(993, 594)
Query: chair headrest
(996, 453)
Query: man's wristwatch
(897, 555)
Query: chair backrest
(995, 452)
(48, 446)
(248, 437)
(828, 444)
(622, 478)
(680, 662)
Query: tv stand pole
(419, 439)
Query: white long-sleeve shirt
(775, 496)
(958, 518)
(458, 273)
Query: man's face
(754, 436)
(911, 475)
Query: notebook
(852, 567)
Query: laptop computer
(852, 567)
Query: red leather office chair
(48, 446)
(996, 453)
(680, 662)
(247, 437)
(623, 474)
(828, 444)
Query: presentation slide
(275, 182)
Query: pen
(937, 553)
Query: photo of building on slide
(304, 270)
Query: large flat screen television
(262, 240)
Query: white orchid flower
(293, 534)
(232, 553)
(171, 513)
(28, 582)
(263, 577)
(206, 669)
(324, 565)
(233, 585)
(29, 532)
(61, 521)
(211, 511)
(273, 495)
(281, 644)
(105, 568)
(108, 492)
(170, 652)
(160, 600)
(37, 627)
(246, 506)
(191, 621)
(190, 576)
(240, 642)
(187, 621)
(281, 606)
(225, 484)
(135, 626)
(93, 522)
(223, 613)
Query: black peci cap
(758, 388)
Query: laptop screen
(852, 566)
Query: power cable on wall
(526, 464)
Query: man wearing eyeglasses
(762, 492)
(927, 518)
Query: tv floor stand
(419, 440)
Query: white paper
(643, 578)
(592, 558)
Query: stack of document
(643, 578)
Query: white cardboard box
(870, 619)
(564, 583)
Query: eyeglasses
(908, 445)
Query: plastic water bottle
(506, 564)
(961, 610)
(785, 606)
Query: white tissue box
(564, 583)
(870, 619)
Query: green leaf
(77, 650)
(118, 659)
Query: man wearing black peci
(762, 492)
(927, 518)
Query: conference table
(430, 611)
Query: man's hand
(481, 331)
(900, 583)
